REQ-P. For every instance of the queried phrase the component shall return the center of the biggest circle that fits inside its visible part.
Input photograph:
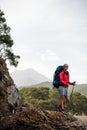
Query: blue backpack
(56, 79)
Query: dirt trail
(83, 119)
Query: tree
(6, 42)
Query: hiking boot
(60, 108)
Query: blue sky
(49, 33)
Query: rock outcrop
(17, 116)
(9, 94)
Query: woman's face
(65, 67)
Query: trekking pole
(72, 90)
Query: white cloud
(49, 55)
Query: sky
(48, 33)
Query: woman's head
(65, 67)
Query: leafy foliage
(41, 97)
(48, 99)
(78, 104)
(6, 42)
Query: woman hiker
(63, 89)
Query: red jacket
(64, 79)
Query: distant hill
(81, 88)
(28, 77)
(43, 84)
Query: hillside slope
(81, 88)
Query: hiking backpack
(56, 79)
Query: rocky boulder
(9, 94)
(34, 119)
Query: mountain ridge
(28, 77)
